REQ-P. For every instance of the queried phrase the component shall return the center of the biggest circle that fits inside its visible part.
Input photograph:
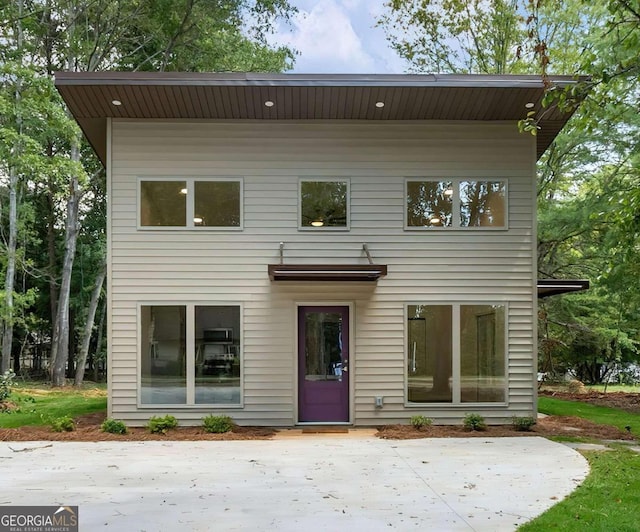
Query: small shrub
(161, 424)
(62, 424)
(217, 424)
(523, 424)
(474, 422)
(418, 422)
(113, 426)
(6, 381)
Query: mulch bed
(548, 426)
(88, 429)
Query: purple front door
(323, 364)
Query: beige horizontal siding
(227, 267)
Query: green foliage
(6, 381)
(418, 422)
(598, 414)
(113, 426)
(459, 36)
(474, 422)
(62, 424)
(38, 137)
(161, 424)
(523, 424)
(217, 424)
(206, 36)
(602, 500)
(36, 406)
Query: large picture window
(191, 203)
(456, 204)
(443, 337)
(190, 355)
(324, 204)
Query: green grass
(41, 404)
(613, 388)
(597, 414)
(608, 500)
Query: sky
(339, 36)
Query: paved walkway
(309, 483)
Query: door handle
(345, 365)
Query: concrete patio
(309, 482)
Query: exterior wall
(230, 267)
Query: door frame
(352, 359)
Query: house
(291, 249)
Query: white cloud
(325, 38)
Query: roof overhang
(327, 272)
(552, 287)
(242, 96)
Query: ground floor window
(190, 354)
(456, 353)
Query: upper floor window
(456, 204)
(191, 203)
(324, 204)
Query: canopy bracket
(365, 248)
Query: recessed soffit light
(379, 105)
(183, 191)
(317, 223)
(117, 103)
(529, 105)
(269, 103)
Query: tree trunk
(60, 342)
(7, 319)
(10, 277)
(88, 326)
(51, 249)
(103, 314)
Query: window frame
(455, 204)
(456, 357)
(190, 212)
(313, 179)
(190, 356)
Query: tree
(459, 36)
(588, 180)
(90, 35)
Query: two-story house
(292, 249)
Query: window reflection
(323, 204)
(430, 353)
(163, 203)
(217, 203)
(323, 348)
(429, 203)
(480, 335)
(163, 360)
(217, 354)
(482, 353)
(482, 204)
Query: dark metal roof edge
(552, 287)
(326, 272)
(556, 282)
(311, 80)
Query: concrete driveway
(313, 482)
